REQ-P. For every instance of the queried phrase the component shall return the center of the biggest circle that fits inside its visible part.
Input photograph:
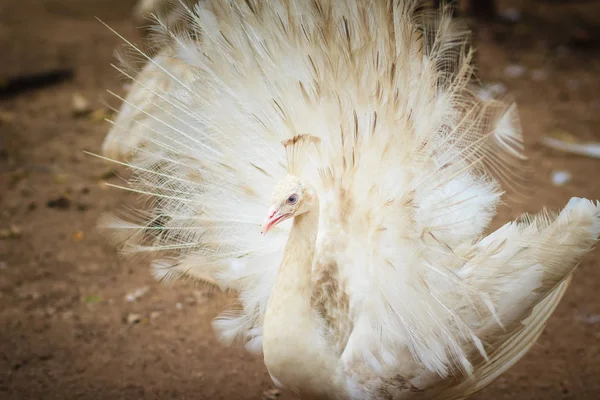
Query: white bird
(351, 134)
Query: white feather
(408, 175)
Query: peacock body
(352, 135)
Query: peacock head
(291, 198)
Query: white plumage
(389, 175)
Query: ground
(67, 330)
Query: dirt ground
(67, 330)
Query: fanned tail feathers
(408, 173)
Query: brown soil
(63, 313)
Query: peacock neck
(296, 266)
(293, 343)
(292, 291)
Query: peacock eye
(292, 199)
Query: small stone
(559, 178)
(133, 319)
(179, 306)
(3, 265)
(155, 314)
(271, 394)
(12, 232)
(80, 105)
(137, 294)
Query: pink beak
(273, 218)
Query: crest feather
(296, 151)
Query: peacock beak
(273, 218)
